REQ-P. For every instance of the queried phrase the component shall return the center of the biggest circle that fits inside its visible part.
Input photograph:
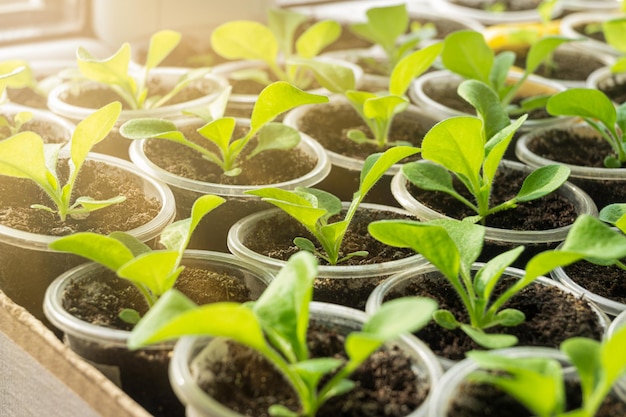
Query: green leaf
(161, 45)
(391, 319)
(112, 70)
(277, 410)
(276, 136)
(487, 105)
(429, 177)
(612, 356)
(466, 53)
(283, 24)
(335, 78)
(305, 244)
(155, 270)
(174, 315)
(312, 370)
(130, 316)
(457, 144)
(446, 319)
(384, 25)
(243, 39)
(467, 237)
(496, 148)
(144, 128)
(278, 98)
(543, 181)
(615, 33)
(376, 165)
(90, 204)
(136, 246)
(489, 275)
(411, 67)
(105, 250)
(317, 37)
(500, 71)
(583, 102)
(509, 317)
(612, 213)
(359, 346)
(22, 156)
(489, 340)
(384, 108)
(219, 132)
(542, 49)
(584, 354)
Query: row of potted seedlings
(472, 277)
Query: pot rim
(192, 396)
(567, 29)
(237, 232)
(145, 232)
(579, 198)
(307, 144)
(490, 18)
(75, 327)
(42, 115)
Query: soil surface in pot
(274, 238)
(269, 167)
(479, 400)
(614, 86)
(606, 281)
(142, 373)
(27, 97)
(582, 150)
(97, 180)
(385, 384)
(552, 316)
(49, 132)
(507, 5)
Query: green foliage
(453, 246)
(275, 99)
(387, 27)
(314, 208)
(467, 54)
(615, 34)
(15, 126)
(598, 364)
(377, 109)
(153, 272)
(114, 71)
(459, 145)
(275, 44)
(276, 326)
(25, 155)
(597, 110)
(8, 74)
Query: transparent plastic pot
(344, 177)
(398, 283)
(603, 79)
(140, 373)
(213, 229)
(487, 17)
(591, 5)
(51, 127)
(499, 240)
(28, 266)
(617, 323)
(571, 22)
(114, 144)
(601, 184)
(340, 284)
(240, 103)
(200, 404)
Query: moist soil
(548, 212)
(567, 147)
(606, 281)
(143, 373)
(479, 400)
(27, 97)
(583, 29)
(509, 5)
(614, 87)
(49, 131)
(552, 315)
(274, 238)
(384, 384)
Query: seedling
(15, 125)
(314, 208)
(615, 34)
(275, 99)
(25, 155)
(153, 272)
(274, 44)
(467, 54)
(598, 364)
(387, 27)
(377, 109)
(276, 327)
(597, 110)
(26, 78)
(459, 146)
(453, 246)
(114, 71)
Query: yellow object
(518, 35)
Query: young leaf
(487, 105)
(542, 49)
(384, 25)
(542, 182)
(583, 102)
(412, 66)
(161, 45)
(489, 340)
(283, 24)
(98, 248)
(242, 39)
(317, 37)
(466, 53)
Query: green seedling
(25, 155)
(467, 54)
(27, 79)
(314, 208)
(153, 272)
(387, 27)
(274, 44)
(15, 125)
(453, 246)
(598, 365)
(276, 326)
(275, 99)
(458, 145)
(597, 110)
(615, 35)
(114, 71)
(377, 109)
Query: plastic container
(603, 79)
(617, 323)
(487, 17)
(51, 128)
(573, 24)
(199, 404)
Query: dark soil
(606, 281)
(614, 87)
(141, 373)
(479, 400)
(582, 150)
(509, 5)
(549, 212)
(583, 29)
(552, 316)
(385, 385)
(274, 238)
